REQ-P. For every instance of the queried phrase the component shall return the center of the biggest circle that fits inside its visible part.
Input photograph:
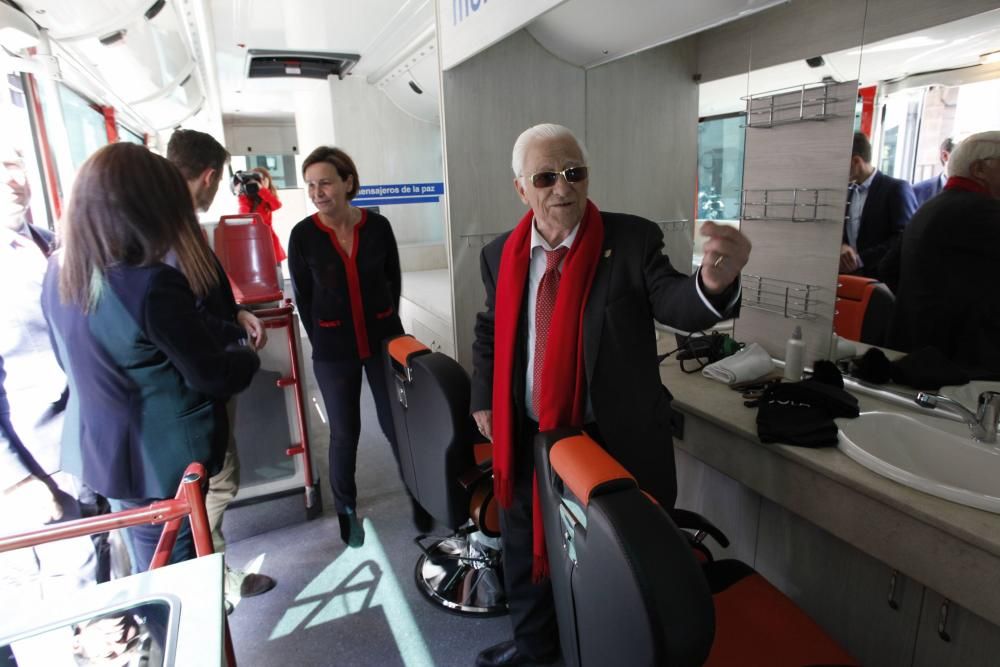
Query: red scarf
(966, 184)
(562, 367)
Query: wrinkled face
(563, 204)
(16, 194)
(988, 172)
(326, 189)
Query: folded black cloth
(802, 413)
(926, 368)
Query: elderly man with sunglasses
(567, 340)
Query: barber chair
(245, 250)
(189, 502)
(630, 590)
(863, 310)
(448, 470)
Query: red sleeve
(271, 200)
(244, 202)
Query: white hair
(543, 131)
(970, 150)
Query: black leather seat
(448, 471)
(630, 590)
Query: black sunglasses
(546, 179)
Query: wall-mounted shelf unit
(809, 102)
(796, 301)
(792, 204)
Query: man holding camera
(201, 160)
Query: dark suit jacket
(634, 284)
(948, 295)
(888, 207)
(924, 190)
(145, 375)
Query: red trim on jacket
(353, 282)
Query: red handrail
(189, 501)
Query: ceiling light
(989, 58)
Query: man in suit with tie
(878, 209)
(926, 189)
(567, 340)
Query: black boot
(351, 530)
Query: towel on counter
(802, 413)
(748, 364)
(925, 368)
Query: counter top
(928, 538)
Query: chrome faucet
(982, 423)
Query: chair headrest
(402, 349)
(853, 287)
(586, 468)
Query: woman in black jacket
(345, 272)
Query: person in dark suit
(950, 264)
(567, 340)
(145, 371)
(879, 207)
(926, 189)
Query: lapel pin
(607, 253)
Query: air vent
(308, 64)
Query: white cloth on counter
(750, 363)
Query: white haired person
(593, 281)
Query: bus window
(85, 125)
(17, 125)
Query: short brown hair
(193, 152)
(129, 206)
(340, 160)
(862, 147)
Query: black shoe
(422, 519)
(255, 584)
(506, 654)
(351, 530)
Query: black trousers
(340, 384)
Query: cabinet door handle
(943, 621)
(891, 598)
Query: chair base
(462, 574)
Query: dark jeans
(340, 384)
(142, 540)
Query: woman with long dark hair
(144, 368)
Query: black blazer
(888, 208)
(322, 285)
(634, 284)
(950, 267)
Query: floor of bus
(338, 606)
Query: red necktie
(545, 303)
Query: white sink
(932, 455)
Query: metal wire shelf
(796, 301)
(673, 226)
(788, 204)
(813, 103)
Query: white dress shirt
(857, 206)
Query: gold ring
(718, 261)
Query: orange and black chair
(863, 310)
(630, 590)
(448, 470)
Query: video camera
(247, 183)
